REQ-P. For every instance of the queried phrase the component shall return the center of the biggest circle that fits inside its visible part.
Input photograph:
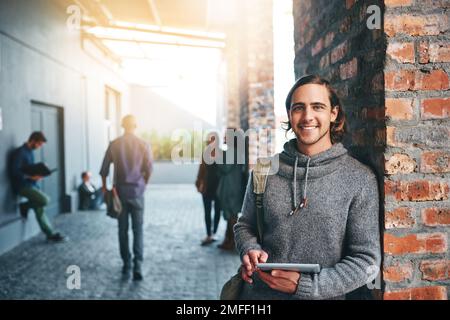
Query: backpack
(260, 174)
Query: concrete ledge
(166, 172)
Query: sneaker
(126, 269)
(57, 237)
(207, 241)
(137, 276)
(23, 207)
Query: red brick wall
(332, 40)
(395, 88)
(417, 169)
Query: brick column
(394, 85)
(417, 167)
(250, 63)
(261, 114)
(233, 67)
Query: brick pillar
(351, 57)
(250, 65)
(233, 67)
(417, 169)
(395, 92)
(261, 114)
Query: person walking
(206, 183)
(230, 189)
(133, 167)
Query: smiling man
(321, 207)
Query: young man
(132, 161)
(27, 187)
(90, 198)
(321, 207)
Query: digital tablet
(306, 268)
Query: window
(112, 114)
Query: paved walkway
(175, 267)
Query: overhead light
(149, 27)
(216, 35)
(151, 37)
(126, 24)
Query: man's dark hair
(338, 127)
(84, 174)
(37, 136)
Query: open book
(38, 169)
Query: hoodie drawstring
(304, 200)
(294, 196)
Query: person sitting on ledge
(90, 198)
(26, 185)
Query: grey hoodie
(338, 227)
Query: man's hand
(36, 178)
(249, 262)
(113, 190)
(280, 280)
(201, 187)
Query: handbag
(232, 289)
(113, 204)
(112, 200)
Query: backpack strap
(260, 174)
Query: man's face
(87, 177)
(311, 115)
(36, 144)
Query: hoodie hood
(322, 159)
(295, 165)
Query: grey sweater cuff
(253, 246)
(305, 286)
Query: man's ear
(334, 113)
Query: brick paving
(175, 267)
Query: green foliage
(162, 145)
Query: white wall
(41, 59)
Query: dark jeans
(207, 203)
(135, 209)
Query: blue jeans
(135, 209)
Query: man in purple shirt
(132, 161)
